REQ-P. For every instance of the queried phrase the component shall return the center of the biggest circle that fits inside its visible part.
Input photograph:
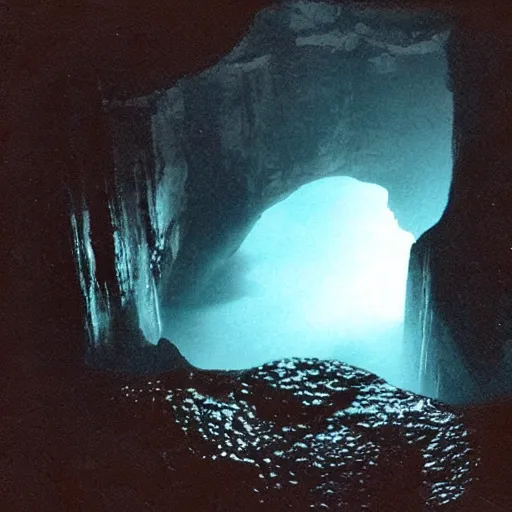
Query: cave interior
(324, 184)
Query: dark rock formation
(138, 356)
(57, 158)
(58, 162)
(459, 307)
(203, 440)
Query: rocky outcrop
(459, 313)
(340, 437)
(293, 434)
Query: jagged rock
(260, 126)
(306, 15)
(334, 40)
(301, 434)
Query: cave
(144, 147)
(340, 237)
(346, 108)
(310, 91)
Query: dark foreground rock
(294, 434)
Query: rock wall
(313, 90)
(144, 198)
(58, 166)
(459, 306)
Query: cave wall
(313, 90)
(144, 197)
(458, 304)
(57, 168)
(46, 141)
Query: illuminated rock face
(304, 433)
(288, 106)
(196, 164)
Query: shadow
(228, 284)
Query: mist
(322, 274)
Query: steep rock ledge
(459, 302)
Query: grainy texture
(313, 434)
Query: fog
(322, 274)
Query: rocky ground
(294, 434)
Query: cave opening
(322, 274)
(337, 116)
(363, 170)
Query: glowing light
(324, 276)
(343, 261)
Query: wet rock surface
(300, 434)
(295, 434)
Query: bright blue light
(323, 274)
(338, 254)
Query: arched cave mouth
(313, 92)
(322, 274)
